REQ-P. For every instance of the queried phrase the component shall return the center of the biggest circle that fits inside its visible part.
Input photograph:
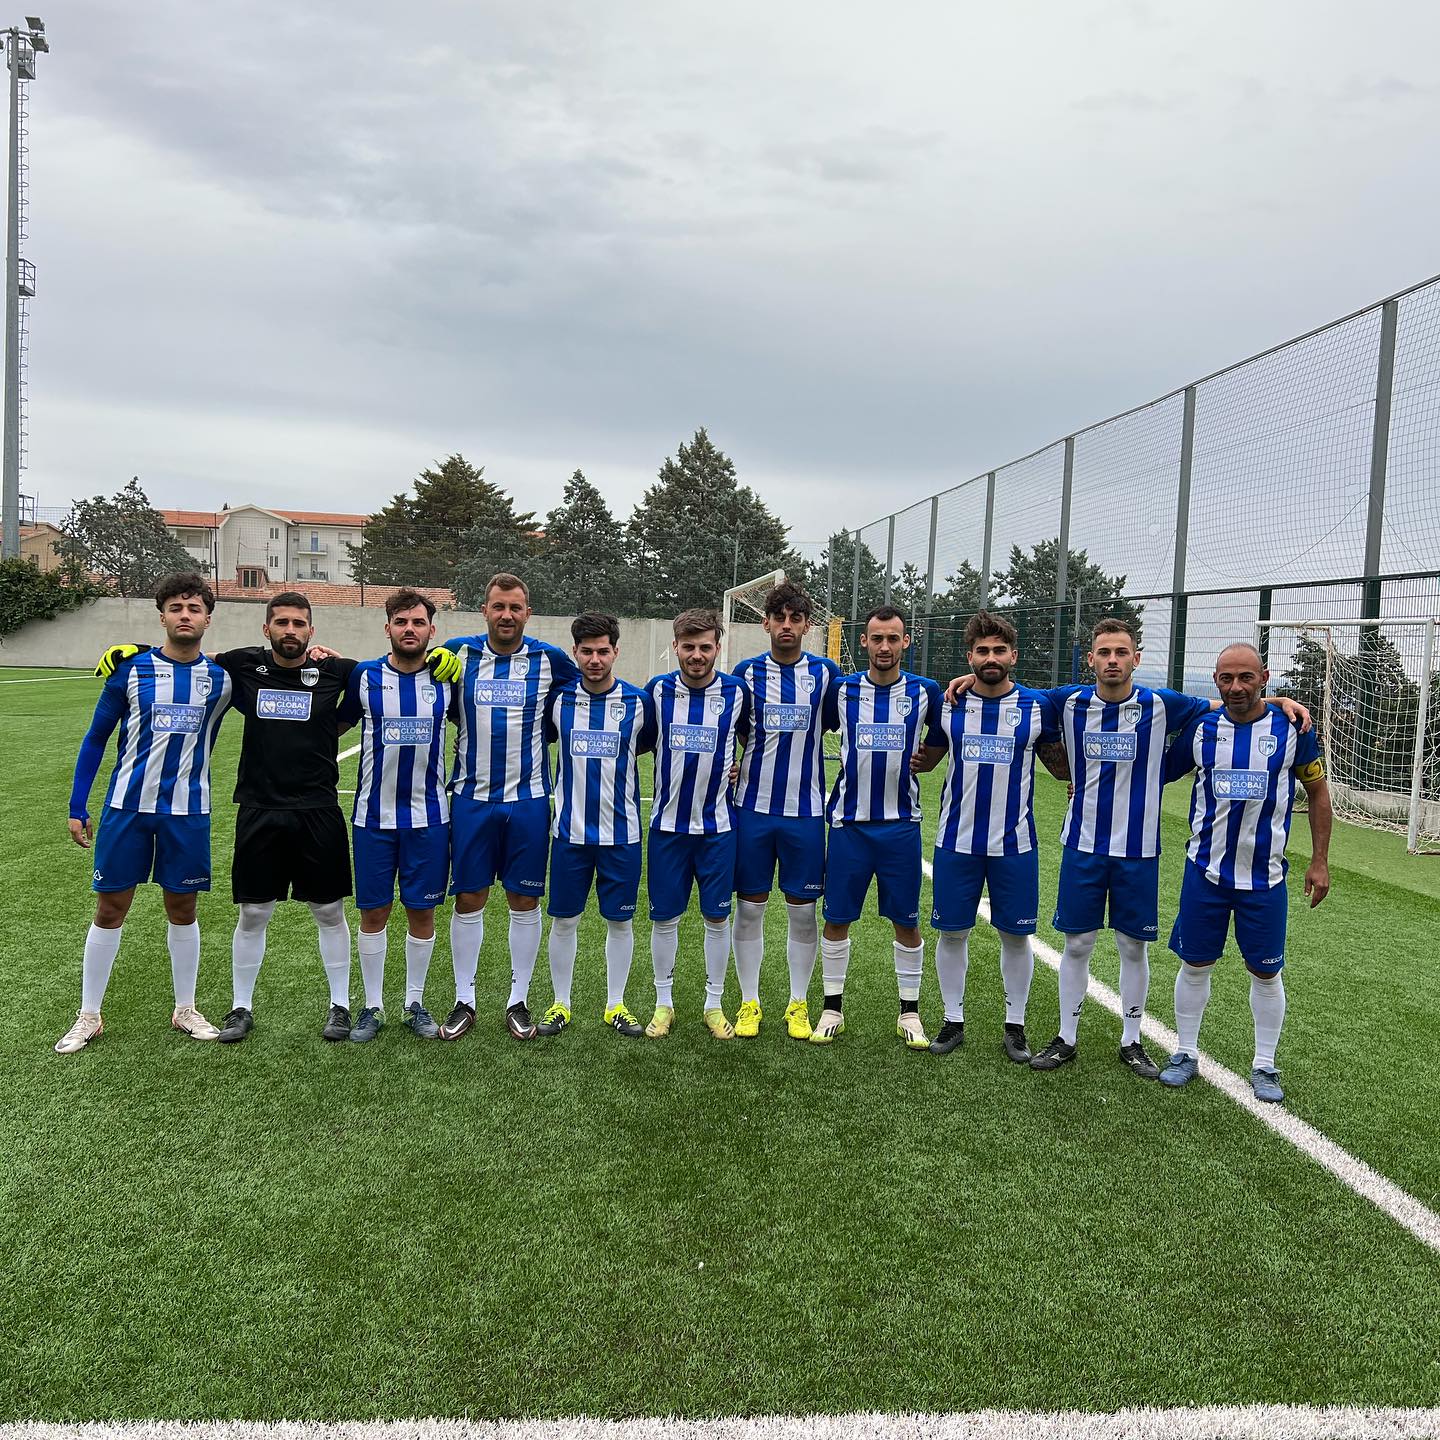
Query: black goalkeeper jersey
(292, 728)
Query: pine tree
(582, 563)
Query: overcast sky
(295, 253)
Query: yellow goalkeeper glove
(445, 665)
(113, 658)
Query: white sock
(1192, 993)
(834, 963)
(372, 949)
(247, 950)
(183, 942)
(101, 948)
(334, 932)
(717, 961)
(801, 946)
(1267, 1005)
(664, 943)
(909, 965)
(1017, 970)
(564, 941)
(1074, 981)
(619, 951)
(524, 950)
(467, 934)
(749, 946)
(417, 967)
(1134, 984)
(952, 961)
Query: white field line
(1402, 1207)
(1216, 1422)
(45, 679)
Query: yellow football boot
(718, 1025)
(660, 1022)
(797, 1020)
(747, 1022)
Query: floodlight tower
(21, 45)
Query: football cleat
(830, 1024)
(554, 1020)
(797, 1020)
(368, 1026)
(1180, 1070)
(337, 1023)
(911, 1031)
(1054, 1055)
(1017, 1047)
(236, 1025)
(622, 1022)
(1135, 1057)
(718, 1024)
(747, 1022)
(460, 1021)
(188, 1020)
(660, 1022)
(1266, 1085)
(518, 1021)
(87, 1026)
(952, 1035)
(421, 1021)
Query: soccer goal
(746, 604)
(1371, 686)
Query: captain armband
(1310, 772)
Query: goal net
(1372, 689)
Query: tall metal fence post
(855, 583)
(929, 586)
(889, 559)
(989, 535)
(1379, 460)
(1062, 556)
(830, 575)
(1179, 601)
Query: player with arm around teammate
(168, 703)
(884, 716)
(602, 726)
(1246, 758)
(780, 805)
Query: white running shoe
(87, 1026)
(830, 1024)
(911, 1031)
(189, 1020)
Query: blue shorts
(676, 862)
(131, 847)
(1013, 882)
(508, 838)
(885, 851)
(794, 843)
(420, 856)
(1198, 936)
(1132, 887)
(613, 869)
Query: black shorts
(283, 852)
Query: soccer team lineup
(741, 806)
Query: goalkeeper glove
(445, 665)
(113, 658)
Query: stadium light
(39, 42)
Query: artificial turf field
(594, 1226)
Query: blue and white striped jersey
(169, 714)
(881, 727)
(694, 748)
(1244, 793)
(782, 769)
(500, 710)
(985, 808)
(1117, 758)
(402, 746)
(597, 774)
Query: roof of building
(29, 530)
(193, 519)
(324, 594)
(213, 519)
(322, 517)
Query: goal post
(746, 603)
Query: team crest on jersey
(310, 675)
(1130, 714)
(805, 682)
(201, 686)
(717, 705)
(617, 710)
(1267, 745)
(904, 705)
(426, 694)
(520, 666)
(1012, 719)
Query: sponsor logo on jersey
(595, 744)
(177, 719)
(694, 739)
(879, 737)
(1267, 745)
(786, 717)
(1110, 745)
(1240, 784)
(520, 666)
(988, 749)
(499, 693)
(283, 704)
(310, 675)
(262, 669)
(404, 730)
(904, 705)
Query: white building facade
(256, 547)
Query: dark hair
(592, 624)
(1114, 625)
(291, 599)
(504, 580)
(697, 622)
(885, 612)
(408, 600)
(184, 586)
(786, 596)
(985, 626)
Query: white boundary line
(1402, 1207)
(1213, 1422)
(45, 679)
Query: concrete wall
(74, 641)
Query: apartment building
(256, 547)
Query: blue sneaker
(421, 1021)
(1180, 1070)
(1266, 1085)
(367, 1027)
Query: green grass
(286, 1228)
